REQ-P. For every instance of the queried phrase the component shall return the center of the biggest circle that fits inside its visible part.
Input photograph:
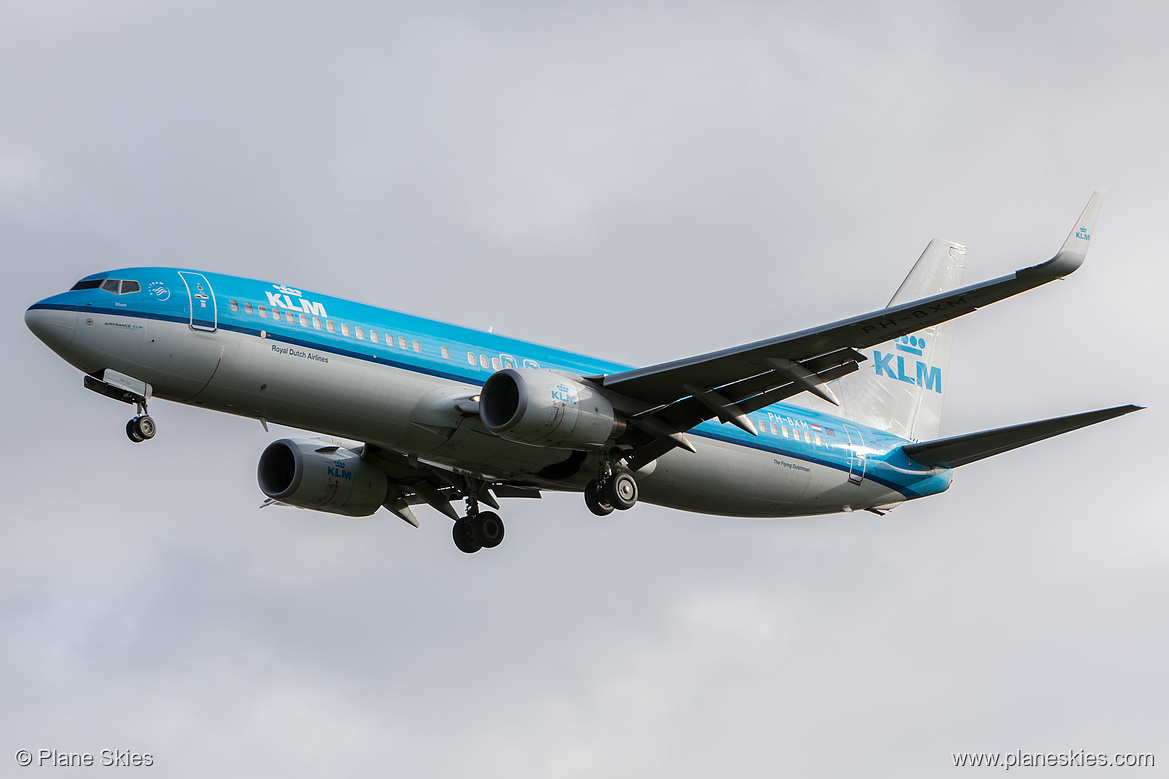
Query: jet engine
(322, 477)
(542, 408)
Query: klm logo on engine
(337, 471)
(893, 365)
(283, 298)
(562, 393)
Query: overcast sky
(639, 181)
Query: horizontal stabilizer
(964, 449)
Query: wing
(672, 397)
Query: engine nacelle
(545, 409)
(315, 476)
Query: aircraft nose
(52, 325)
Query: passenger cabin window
(234, 306)
(785, 431)
(402, 342)
(263, 312)
(247, 308)
(819, 440)
(418, 347)
(344, 329)
(303, 320)
(373, 336)
(471, 357)
(807, 437)
(276, 314)
(446, 353)
(360, 334)
(773, 430)
(483, 361)
(316, 323)
(495, 364)
(332, 328)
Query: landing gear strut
(610, 491)
(479, 529)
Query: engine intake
(541, 408)
(323, 478)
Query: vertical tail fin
(902, 387)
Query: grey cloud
(639, 182)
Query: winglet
(1081, 234)
(1071, 254)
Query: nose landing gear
(126, 389)
(141, 428)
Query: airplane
(414, 411)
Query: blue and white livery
(446, 413)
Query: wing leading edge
(665, 400)
(667, 382)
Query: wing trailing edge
(972, 447)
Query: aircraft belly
(397, 409)
(314, 390)
(473, 447)
(739, 481)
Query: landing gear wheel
(487, 529)
(144, 426)
(132, 432)
(594, 501)
(464, 540)
(621, 491)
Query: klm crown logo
(911, 344)
(1083, 233)
(893, 365)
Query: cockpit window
(117, 286)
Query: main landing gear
(610, 491)
(479, 529)
(141, 427)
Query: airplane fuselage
(355, 371)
